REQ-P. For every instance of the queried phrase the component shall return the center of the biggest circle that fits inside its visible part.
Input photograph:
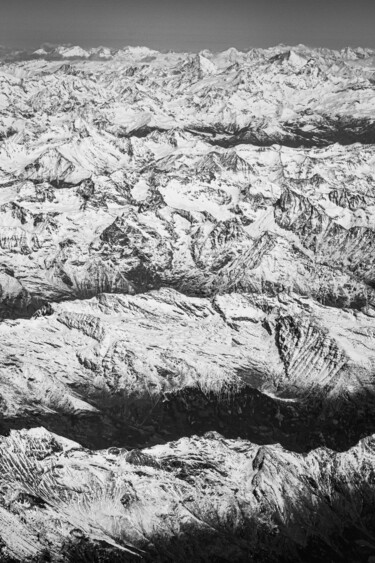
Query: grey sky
(188, 25)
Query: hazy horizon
(187, 26)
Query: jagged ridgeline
(187, 304)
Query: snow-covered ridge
(75, 51)
(228, 499)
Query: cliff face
(187, 305)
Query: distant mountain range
(75, 52)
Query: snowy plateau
(187, 305)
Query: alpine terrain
(187, 305)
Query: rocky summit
(187, 305)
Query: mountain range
(187, 305)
